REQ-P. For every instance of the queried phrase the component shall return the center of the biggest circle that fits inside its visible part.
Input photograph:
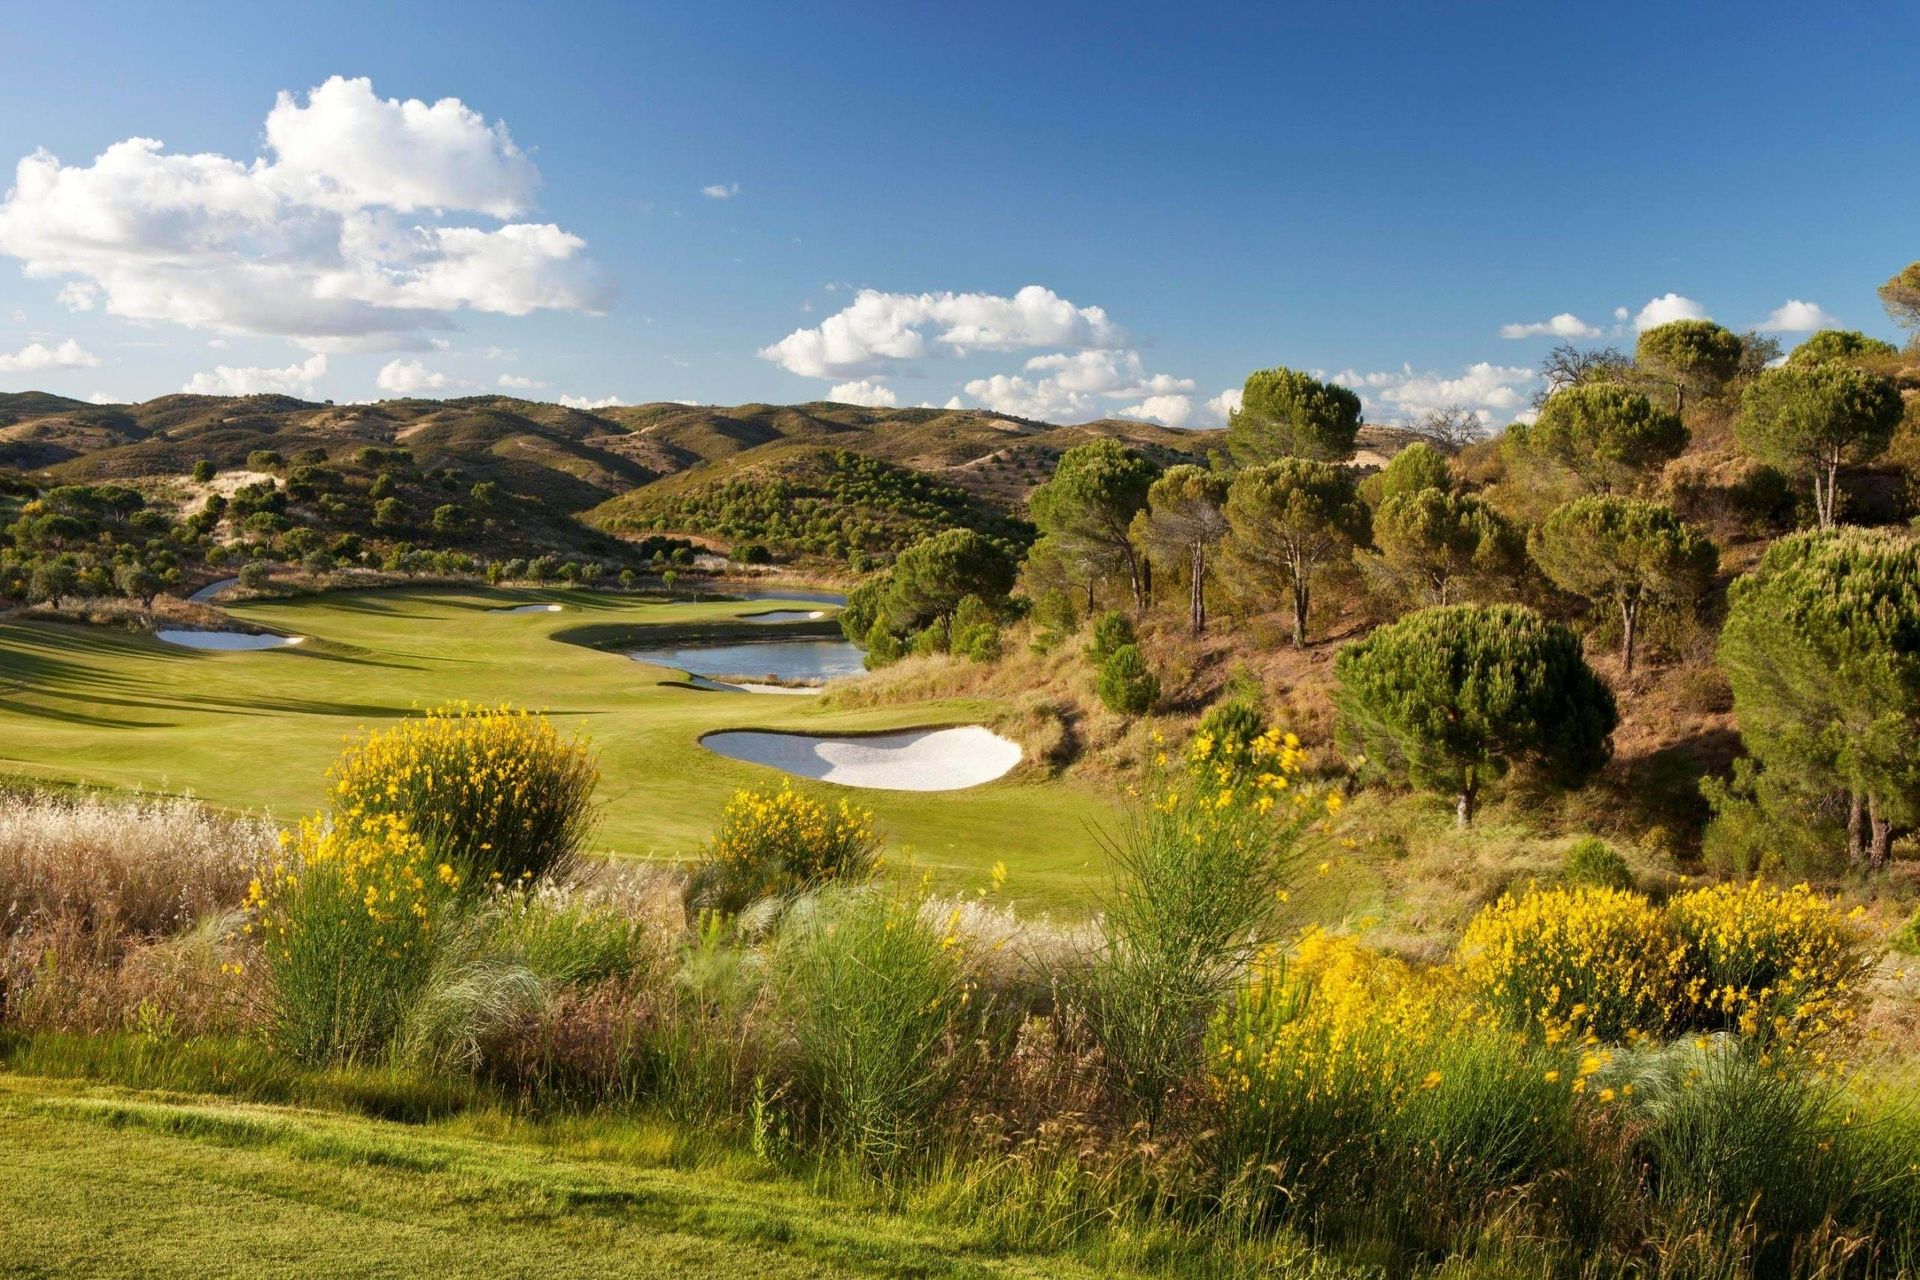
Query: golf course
(247, 730)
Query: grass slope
(250, 730)
(103, 1182)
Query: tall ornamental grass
(871, 1003)
(496, 791)
(349, 921)
(1203, 864)
(777, 844)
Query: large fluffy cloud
(1795, 316)
(1491, 392)
(1667, 308)
(1072, 385)
(408, 378)
(319, 243)
(865, 391)
(227, 380)
(878, 330)
(38, 357)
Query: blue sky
(1369, 190)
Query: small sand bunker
(785, 615)
(530, 608)
(213, 591)
(917, 760)
(225, 641)
(749, 686)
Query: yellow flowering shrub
(495, 791)
(1337, 1065)
(1576, 963)
(771, 844)
(1783, 965)
(346, 918)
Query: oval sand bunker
(917, 760)
(225, 641)
(529, 608)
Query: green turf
(100, 1182)
(252, 730)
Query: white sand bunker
(530, 608)
(917, 760)
(786, 615)
(225, 641)
(749, 686)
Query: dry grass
(148, 866)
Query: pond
(808, 661)
(911, 760)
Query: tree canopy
(1606, 434)
(1624, 553)
(1416, 467)
(1186, 516)
(930, 578)
(1847, 346)
(1292, 522)
(1452, 697)
(1284, 413)
(1900, 295)
(1822, 650)
(1811, 420)
(1087, 508)
(1441, 544)
(1692, 355)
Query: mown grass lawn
(103, 1182)
(254, 730)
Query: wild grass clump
(777, 844)
(872, 1005)
(1593, 863)
(350, 923)
(147, 866)
(495, 791)
(1203, 861)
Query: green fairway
(101, 1182)
(258, 729)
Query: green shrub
(1111, 631)
(1906, 939)
(1236, 722)
(883, 647)
(1201, 869)
(495, 791)
(867, 997)
(1127, 686)
(776, 844)
(935, 637)
(978, 643)
(349, 920)
(1592, 863)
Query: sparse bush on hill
(1593, 864)
(1127, 685)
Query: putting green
(258, 729)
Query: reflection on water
(789, 660)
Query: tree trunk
(1463, 803)
(1880, 852)
(1300, 602)
(1146, 582)
(1833, 488)
(1133, 580)
(1089, 599)
(1197, 609)
(1629, 614)
(1856, 827)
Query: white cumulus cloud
(227, 380)
(1491, 392)
(38, 357)
(1667, 308)
(1172, 411)
(877, 330)
(1564, 325)
(1071, 386)
(606, 402)
(721, 190)
(1795, 316)
(408, 378)
(866, 391)
(1224, 405)
(518, 383)
(337, 240)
